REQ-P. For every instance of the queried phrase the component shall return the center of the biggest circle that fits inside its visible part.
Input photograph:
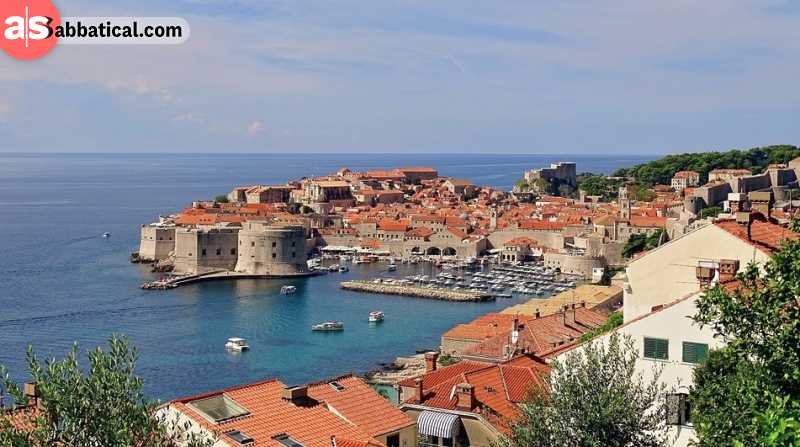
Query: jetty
(416, 291)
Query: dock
(416, 291)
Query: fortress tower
(265, 249)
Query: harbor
(385, 288)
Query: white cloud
(255, 128)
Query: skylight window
(337, 386)
(218, 408)
(240, 437)
(287, 441)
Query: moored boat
(376, 316)
(237, 344)
(287, 290)
(328, 326)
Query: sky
(444, 76)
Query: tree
(712, 211)
(102, 407)
(565, 190)
(641, 242)
(661, 171)
(738, 391)
(595, 397)
(221, 199)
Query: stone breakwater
(415, 291)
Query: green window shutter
(694, 352)
(656, 348)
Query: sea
(62, 282)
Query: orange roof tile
(764, 235)
(269, 415)
(361, 405)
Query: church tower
(624, 203)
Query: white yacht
(237, 344)
(288, 290)
(376, 316)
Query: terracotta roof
(648, 221)
(764, 235)
(311, 424)
(393, 225)
(686, 174)
(498, 386)
(361, 405)
(535, 224)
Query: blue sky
(599, 76)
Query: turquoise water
(61, 282)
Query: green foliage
(712, 211)
(641, 242)
(447, 360)
(661, 171)
(643, 194)
(595, 398)
(614, 321)
(543, 186)
(599, 185)
(221, 199)
(565, 190)
(102, 407)
(521, 185)
(735, 390)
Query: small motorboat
(376, 316)
(343, 269)
(391, 267)
(328, 326)
(288, 290)
(237, 344)
(106, 235)
(333, 268)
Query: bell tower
(624, 203)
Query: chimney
(418, 389)
(430, 361)
(333, 440)
(728, 269)
(538, 314)
(465, 396)
(515, 324)
(295, 394)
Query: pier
(416, 291)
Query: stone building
(266, 249)
(157, 242)
(561, 173)
(685, 179)
(203, 250)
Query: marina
(180, 332)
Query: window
(337, 386)
(293, 243)
(218, 408)
(393, 440)
(293, 255)
(240, 437)
(274, 256)
(233, 251)
(287, 441)
(204, 252)
(252, 243)
(219, 251)
(656, 348)
(678, 409)
(694, 352)
(274, 244)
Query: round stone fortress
(272, 250)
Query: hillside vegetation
(661, 171)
